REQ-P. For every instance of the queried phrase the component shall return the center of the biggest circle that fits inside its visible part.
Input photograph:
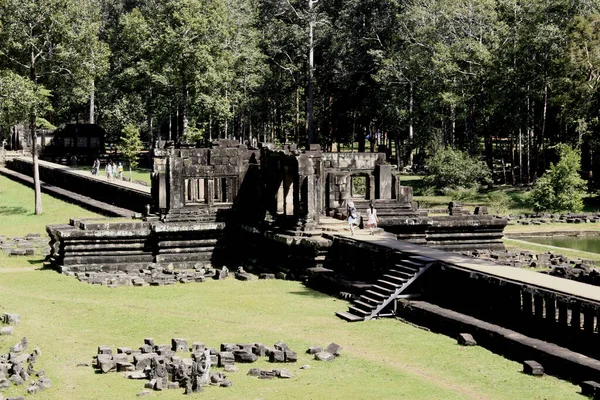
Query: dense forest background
(503, 79)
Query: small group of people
(113, 171)
(353, 217)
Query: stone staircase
(379, 300)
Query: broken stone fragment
(16, 380)
(243, 356)
(197, 347)
(277, 356)
(123, 350)
(466, 339)
(314, 350)
(226, 358)
(135, 375)
(281, 346)
(534, 368)
(231, 368)
(284, 373)
(324, 356)
(144, 393)
(11, 319)
(106, 365)
(334, 349)
(290, 356)
(104, 350)
(179, 344)
(7, 330)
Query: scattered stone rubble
(549, 218)
(154, 275)
(164, 367)
(18, 367)
(28, 245)
(329, 354)
(561, 266)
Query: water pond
(583, 243)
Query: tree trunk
(92, 104)
(184, 110)
(410, 131)
(34, 155)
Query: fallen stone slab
(7, 330)
(534, 368)
(334, 348)
(11, 319)
(314, 350)
(590, 388)
(324, 356)
(466, 339)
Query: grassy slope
(382, 359)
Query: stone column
(527, 302)
(576, 316)
(383, 181)
(563, 316)
(550, 303)
(588, 320)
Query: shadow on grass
(6, 210)
(310, 293)
(36, 261)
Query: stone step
(382, 289)
(359, 311)
(366, 306)
(395, 276)
(377, 294)
(349, 317)
(394, 285)
(404, 275)
(369, 300)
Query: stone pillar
(383, 181)
(589, 317)
(563, 316)
(527, 302)
(210, 191)
(576, 316)
(538, 306)
(550, 303)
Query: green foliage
(461, 193)
(453, 169)
(560, 188)
(499, 202)
(130, 145)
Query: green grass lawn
(17, 205)
(382, 359)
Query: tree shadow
(310, 293)
(6, 210)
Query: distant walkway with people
(113, 197)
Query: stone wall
(106, 192)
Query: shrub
(460, 193)
(453, 169)
(560, 188)
(499, 202)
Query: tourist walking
(352, 216)
(96, 167)
(114, 170)
(109, 170)
(120, 171)
(372, 219)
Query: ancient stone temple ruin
(207, 200)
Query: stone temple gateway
(205, 200)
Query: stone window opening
(195, 190)
(359, 186)
(224, 190)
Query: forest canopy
(501, 79)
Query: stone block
(277, 356)
(284, 373)
(198, 347)
(147, 348)
(324, 356)
(11, 319)
(226, 358)
(120, 357)
(123, 366)
(254, 372)
(7, 330)
(123, 350)
(281, 346)
(230, 368)
(259, 349)
(590, 388)
(243, 356)
(229, 347)
(534, 368)
(149, 341)
(290, 356)
(104, 350)
(314, 350)
(135, 375)
(334, 349)
(179, 344)
(466, 339)
(106, 365)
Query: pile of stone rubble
(28, 245)
(164, 366)
(18, 366)
(549, 218)
(559, 265)
(155, 275)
